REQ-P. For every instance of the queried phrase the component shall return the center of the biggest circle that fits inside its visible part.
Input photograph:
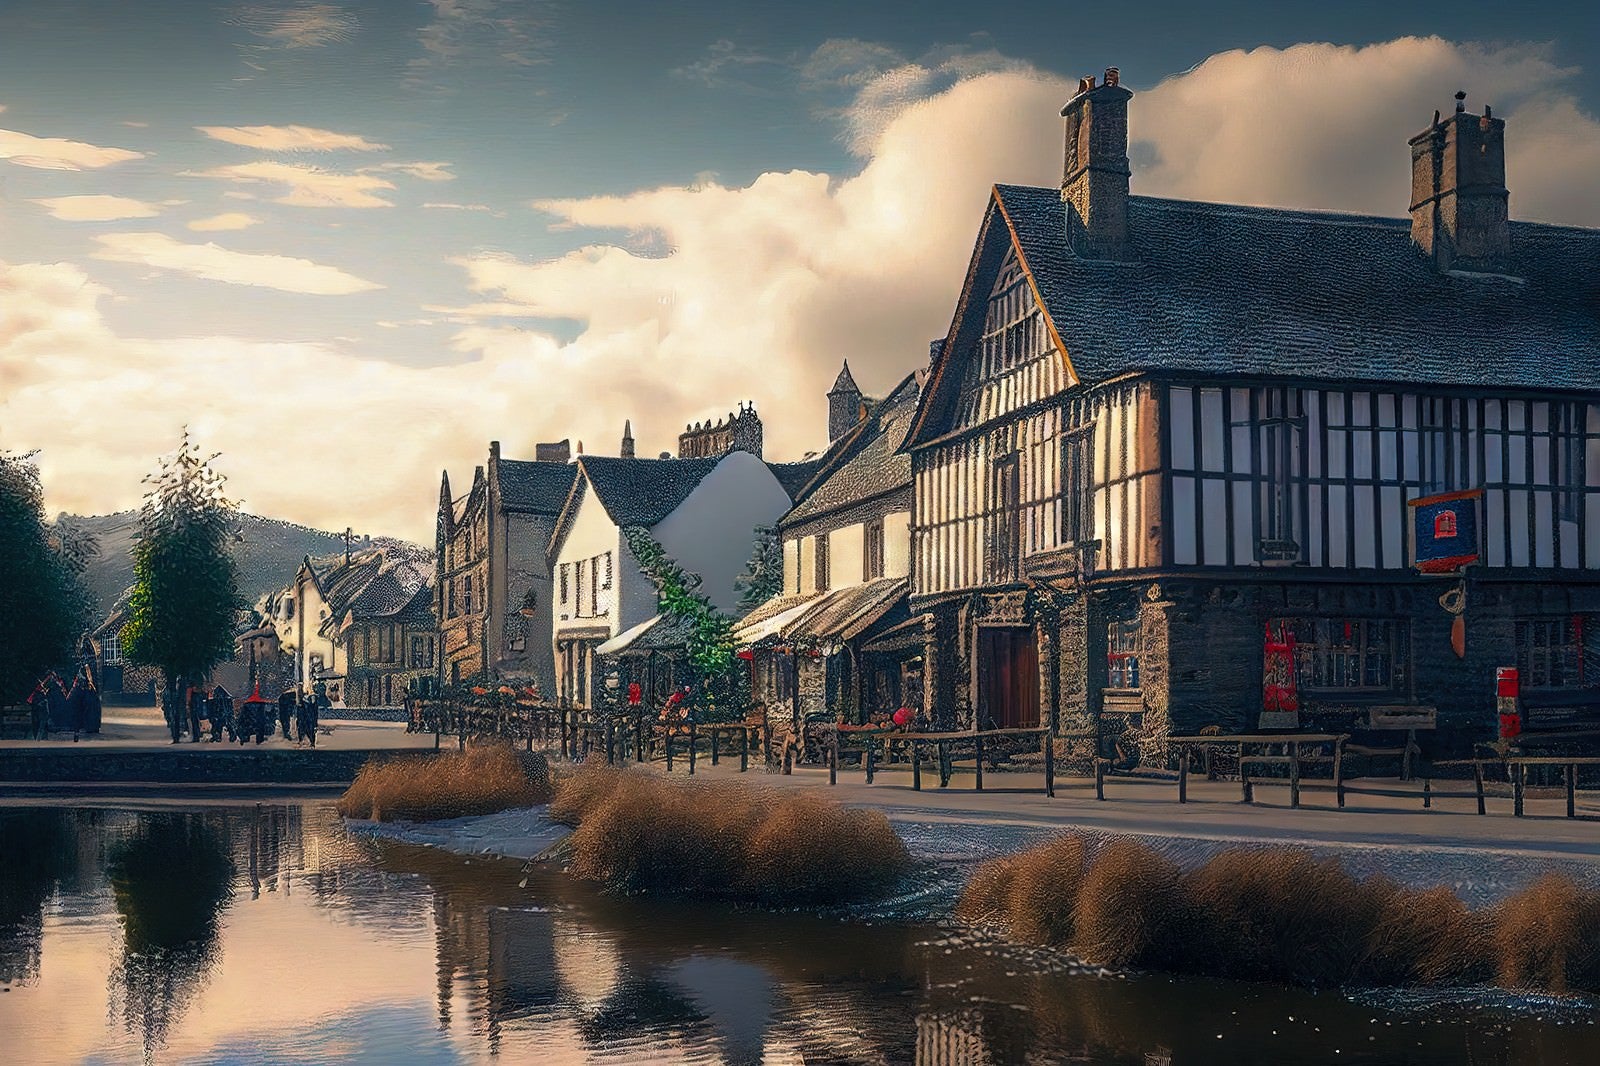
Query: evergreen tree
(43, 604)
(186, 585)
(763, 574)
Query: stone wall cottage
(493, 594)
(1158, 431)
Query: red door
(1008, 679)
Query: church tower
(627, 439)
(844, 405)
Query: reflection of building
(1158, 431)
(837, 638)
(952, 1039)
(493, 597)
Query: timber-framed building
(1162, 435)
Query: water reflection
(268, 934)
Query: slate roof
(869, 463)
(530, 485)
(641, 492)
(795, 476)
(844, 382)
(1225, 289)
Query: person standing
(286, 702)
(197, 699)
(172, 712)
(319, 704)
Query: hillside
(268, 554)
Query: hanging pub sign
(1444, 531)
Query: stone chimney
(558, 452)
(627, 439)
(1458, 192)
(1094, 176)
(844, 404)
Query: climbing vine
(709, 653)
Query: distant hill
(268, 555)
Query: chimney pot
(1461, 101)
(1113, 76)
(1086, 83)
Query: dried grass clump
(1278, 914)
(480, 780)
(637, 832)
(1548, 936)
(1128, 911)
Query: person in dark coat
(172, 711)
(286, 702)
(220, 710)
(57, 698)
(78, 706)
(39, 713)
(91, 704)
(318, 703)
(197, 699)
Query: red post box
(1508, 696)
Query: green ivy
(710, 651)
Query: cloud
(423, 171)
(723, 61)
(308, 186)
(56, 153)
(214, 263)
(466, 33)
(447, 206)
(291, 139)
(228, 220)
(297, 25)
(96, 208)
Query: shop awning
(769, 621)
(843, 614)
(659, 634)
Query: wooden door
(1008, 678)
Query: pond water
(267, 933)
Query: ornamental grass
(639, 832)
(1280, 914)
(480, 780)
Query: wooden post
(638, 737)
(1183, 773)
(916, 766)
(788, 759)
(1572, 790)
(744, 748)
(1338, 772)
(1477, 780)
(944, 763)
(1099, 778)
(668, 730)
(1405, 760)
(833, 759)
(610, 746)
(1244, 777)
(1427, 793)
(1294, 773)
(977, 749)
(694, 745)
(714, 735)
(871, 759)
(1519, 779)
(1049, 763)
(766, 743)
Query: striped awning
(838, 615)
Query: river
(269, 934)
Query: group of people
(242, 721)
(54, 708)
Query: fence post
(833, 758)
(1338, 772)
(668, 731)
(1294, 773)
(1099, 778)
(916, 766)
(977, 751)
(744, 748)
(1519, 779)
(715, 735)
(766, 744)
(1049, 763)
(944, 763)
(1427, 793)
(1477, 780)
(610, 747)
(871, 759)
(1572, 790)
(1183, 773)
(1247, 793)
(693, 744)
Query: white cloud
(301, 25)
(446, 206)
(291, 139)
(96, 208)
(423, 171)
(214, 263)
(57, 153)
(228, 220)
(308, 186)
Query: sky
(349, 242)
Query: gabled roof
(641, 492)
(794, 477)
(867, 461)
(541, 487)
(1221, 289)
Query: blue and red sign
(1444, 531)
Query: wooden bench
(1293, 758)
(943, 743)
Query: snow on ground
(523, 833)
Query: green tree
(185, 582)
(709, 654)
(763, 574)
(43, 604)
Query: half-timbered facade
(1164, 441)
